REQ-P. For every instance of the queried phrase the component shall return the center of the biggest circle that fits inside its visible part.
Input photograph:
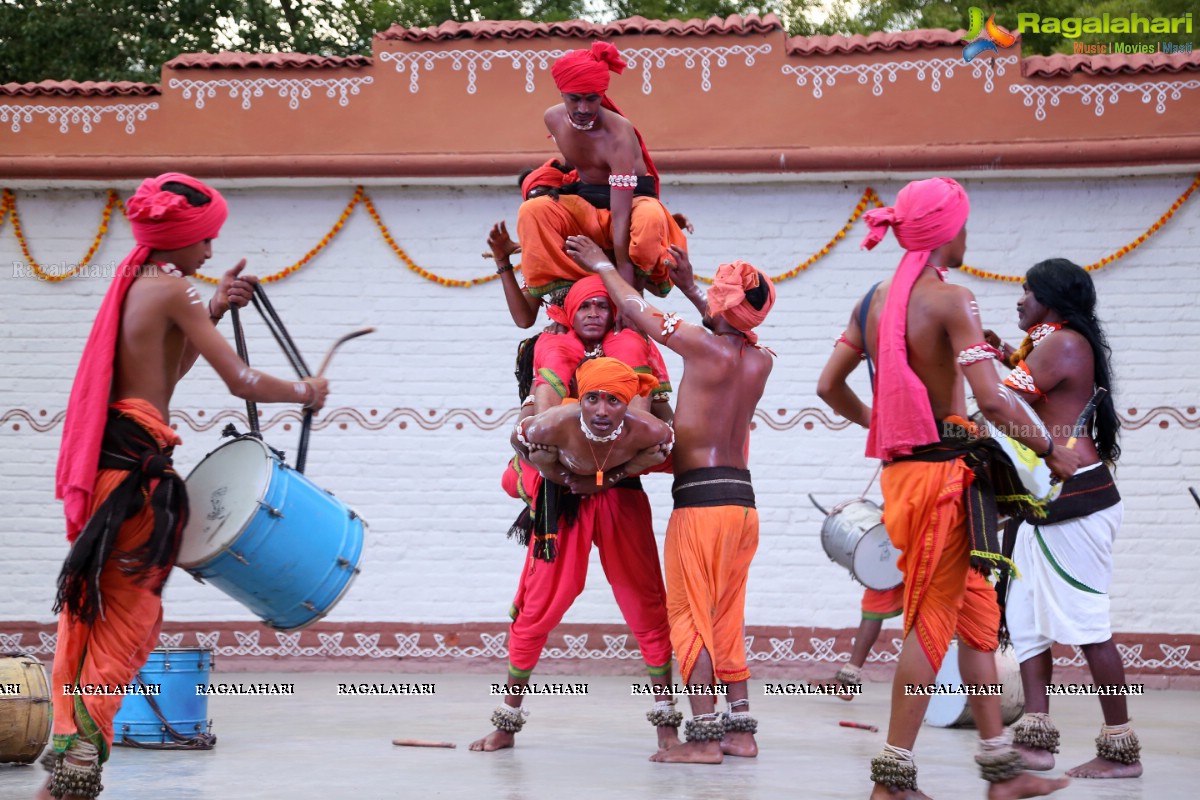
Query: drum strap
(179, 741)
(863, 308)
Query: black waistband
(598, 194)
(713, 486)
(1082, 494)
(629, 483)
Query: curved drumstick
(813, 500)
(1084, 416)
(339, 343)
(488, 254)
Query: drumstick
(1195, 496)
(488, 254)
(339, 343)
(422, 743)
(1088, 410)
(859, 725)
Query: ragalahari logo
(981, 38)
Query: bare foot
(1025, 785)
(847, 696)
(884, 793)
(668, 737)
(1103, 768)
(496, 740)
(739, 743)
(1035, 757)
(691, 753)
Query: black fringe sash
(996, 491)
(555, 506)
(598, 194)
(708, 487)
(1083, 493)
(126, 446)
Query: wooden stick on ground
(422, 743)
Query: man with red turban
(125, 505)
(941, 480)
(713, 533)
(617, 179)
(593, 437)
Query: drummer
(116, 450)
(917, 426)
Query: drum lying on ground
(24, 709)
(268, 536)
(953, 710)
(176, 671)
(853, 536)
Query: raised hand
(501, 243)
(234, 290)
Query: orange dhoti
(106, 655)
(925, 513)
(544, 223)
(708, 553)
(885, 604)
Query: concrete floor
(318, 744)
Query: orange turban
(727, 297)
(547, 174)
(614, 377)
(581, 291)
(587, 71)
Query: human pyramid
(596, 414)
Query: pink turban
(727, 297)
(547, 174)
(161, 220)
(587, 71)
(927, 215)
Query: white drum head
(1035, 475)
(875, 560)
(223, 494)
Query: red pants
(618, 522)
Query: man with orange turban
(713, 533)
(617, 179)
(126, 507)
(593, 446)
(941, 480)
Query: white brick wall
(436, 550)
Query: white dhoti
(1062, 594)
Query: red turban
(587, 71)
(546, 175)
(727, 297)
(581, 291)
(161, 220)
(927, 215)
(614, 377)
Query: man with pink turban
(617, 179)
(125, 505)
(941, 479)
(713, 532)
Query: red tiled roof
(76, 89)
(875, 42)
(495, 29)
(228, 60)
(1061, 64)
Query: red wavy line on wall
(489, 419)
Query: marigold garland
(8, 210)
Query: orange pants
(926, 518)
(618, 522)
(111, 651)
(708, 554)
(544, 223)
(886, 604)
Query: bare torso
(717, 398)
(930, 353)
(149, 345)
(598, 153)
(1064, 360)
(560, 427)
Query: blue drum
(182, 714)
(268, 536)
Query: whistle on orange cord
(859, 725)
